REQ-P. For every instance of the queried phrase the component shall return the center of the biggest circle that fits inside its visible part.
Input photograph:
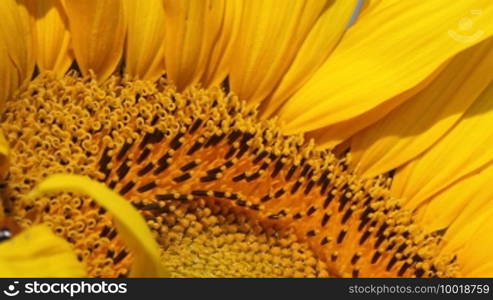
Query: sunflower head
(258, 138)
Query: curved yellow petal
(331, 136)
(280, 38)
(197, 31)
(465, 210)
(458, 204)
(16, 60)
(37, 252)
(314, 50)
(145, 39)
(128, 221)
(387, 52)
(471, 240)
(97, 28)
(51, 36)
(464, 150)
(417, 124)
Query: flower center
(225, 194)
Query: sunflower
(258, 138)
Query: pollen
(225, 195)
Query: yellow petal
(223, 49)
(417, 124)
(458, 204)
(145, 39)
(9, 77)
(97, 28)
(16, 61)
(330, 136)
(465, 210)
(128, 221)
(197, 31)
(464, 150)
(484, 269)
(472, 243)
(314, 50)
(37, 252)
(372, 6)
(387, 52)
(28, 60)
(50, 34)
(475, 258)
(272, 39)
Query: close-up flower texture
(246, 138)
